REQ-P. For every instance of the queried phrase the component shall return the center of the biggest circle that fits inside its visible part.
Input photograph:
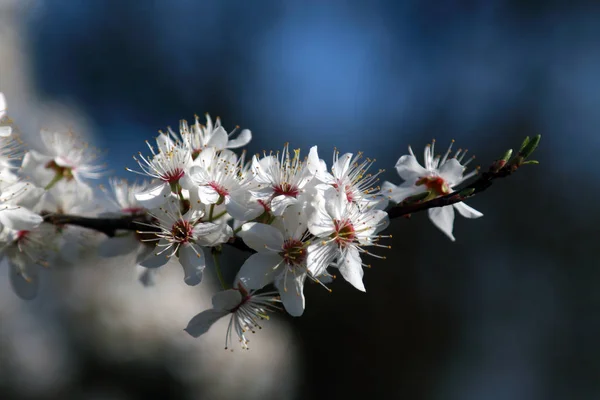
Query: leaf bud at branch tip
(530, 146)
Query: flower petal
(218, 139)
(280, 203)
(260, 269)
(409, 168)
(19, 218)
(291, 290)
(156, 260)
(5, 131)
(452, 172)
(350, 266)
(154, 196)
(261, 237)
(443, 218)
(24, 285)
(193, 262)
(227, 299)
(241, 208)
(241, 140)
(202, 322)
(467, 211)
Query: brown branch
(108, 226)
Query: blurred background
(509, 311)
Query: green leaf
(531, 146)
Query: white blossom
(183, 236)
(167, 167)
(245, 308)
(281, 178)
(439, 176)
(64, 157)
(26, 251)
(343, 231)
(217, 178)
(281, 257)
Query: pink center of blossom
(21, 235)
(219, 189)
(293, 252)
(173, 176)
(286, 189)
(435, 184)
(347, 190)
(344, 232)
(182, 231)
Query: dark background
(509, 311)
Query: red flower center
(173, 176)
(182, 231)
(219, 189)
(344, 232)
(435, 184)
(286, 189)
(293, 252)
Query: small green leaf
(531, 146)
(507, 155)
(531, 162)
(524, 143)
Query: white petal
(219, 139)
(156, 260)
(399, 193)
(294, 221)
(241, 140)
(202, 322)
(25, 286)
(467, 211)
(242, 209)
(227, 299)
(443, 218)
(452, 172)
(5, 131)
(19, 218)
(118, 246)
(319, 257)
(155, 196)
(280, 203)
(313, 162)
(341, 166)
(193, 263)
(409, 168)
(261, 237)
(350, 266)
(208, 195)
(164, 143)
(291, 290)
(260, 269)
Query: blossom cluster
(301, 218)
